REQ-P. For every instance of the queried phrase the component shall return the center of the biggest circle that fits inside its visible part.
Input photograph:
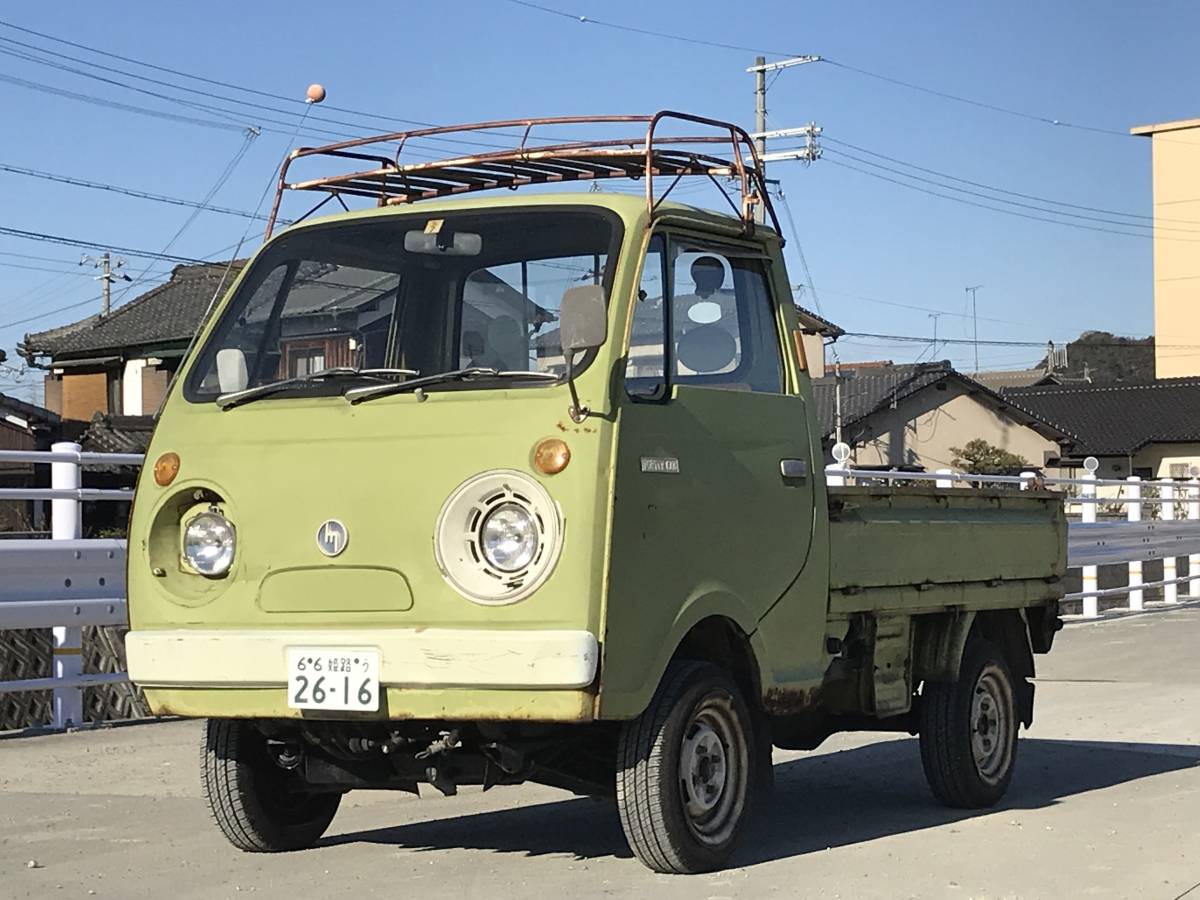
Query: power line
(51, 312)
(248, 90)
(206, 107)
(1016, 203)
(92, 245)
(1011, 193)
(29, 268)
(115, 104)
(588, 20)
(228, 171)
(945, 95)
(1011, 212)
(117, 189)
(913, 339)
(925, 309)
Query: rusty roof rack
(392, 183)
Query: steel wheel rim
(712, 770)
(992, 725)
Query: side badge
(660, 465)
(332, 537)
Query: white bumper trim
(409, 657)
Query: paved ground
(1106, 803)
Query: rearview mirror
(231, 370)
(583, 319)
(443, 243)
(582, 325)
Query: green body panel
(646, 555)
(961, 535)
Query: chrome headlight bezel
(209, 529)
(458, 538)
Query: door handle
(793, 468)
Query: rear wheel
(259, 807)
(687, 771)
(969, 730)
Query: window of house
(716, 305)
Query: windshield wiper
(237, 398)
(359, 395)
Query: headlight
(208, 543)
(509, 537)
(498, 537)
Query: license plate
(333, 678)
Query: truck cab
(474, 490)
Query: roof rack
(391, 183)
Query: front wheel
(259, 807)
(687, 771)
(969, 730)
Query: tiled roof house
(121, 363)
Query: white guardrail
(66, 583)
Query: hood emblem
(332, 537)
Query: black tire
(256, 804)
(697, 722)
(968, 730)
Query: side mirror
(231, 370)
(582, 325)
(583, 319)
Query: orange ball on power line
(315, 93)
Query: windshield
(427, 294)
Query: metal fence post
(1167, 514)
(1087, 491)
(1194, 558)
(834, 480)
(66, 523)
(944, 482)
(1027, 479)
(1134, 508)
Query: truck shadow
(822, 801)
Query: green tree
(981, 458)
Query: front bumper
(421, 658)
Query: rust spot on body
(791, 701)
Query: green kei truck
(460, 490)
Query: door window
(716, 305)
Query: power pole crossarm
(106, 277)
(760, 69)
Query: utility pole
(107, 276)
(837, 402)
(760, 69)
(975, 320)
(760, 127)
(933, 349)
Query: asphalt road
(1106, 803)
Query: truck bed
(924, 548)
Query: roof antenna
(315, 93)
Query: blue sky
(1104, 65)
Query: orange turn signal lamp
(166, 467)
(551, 456)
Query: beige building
(914, 416)
(1175, 149)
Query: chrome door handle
(793, 468)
